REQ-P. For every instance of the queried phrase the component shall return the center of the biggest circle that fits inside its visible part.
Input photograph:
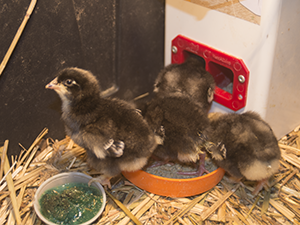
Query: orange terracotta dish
(175, 187)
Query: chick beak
(53, 84)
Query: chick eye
(70, 82)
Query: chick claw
(108, 144)
(114, 148)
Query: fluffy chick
(178, 113)
(114, 134)
(245, 146)
(190, 79)
(181, 126)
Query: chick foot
(114, 148)
(103, 180)
(201, 169)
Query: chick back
(184, 123)
(250, 145)
(115, 119)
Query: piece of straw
(253, 205)
(294, 160)
(128, 213)
(4, 151)
(29, 160)
(289, 147)
(128, 197)
(289, 177)
(136, 209)
(11, 188)
(147, 206)
(282, 209)
(17, 36)
(186, 208)
(217, 204)
(24, 222)
(40, 136)
(236, 214)
(222, 213)
(10, 169)
(11, 218)
(266, 201)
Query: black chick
(245, 146)
(114, 134)
(190, 79)
(181, 126)
(178, 113)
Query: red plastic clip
(230, 73)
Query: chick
(190, 79)
(178, 113)
(181, 126)
(245, 146)
(114, 134)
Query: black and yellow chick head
(189, 78)
(74, 84)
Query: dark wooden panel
(120, 41)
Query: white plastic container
(61, 179)
(270, 51)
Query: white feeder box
(251, 48)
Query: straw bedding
(227, 203)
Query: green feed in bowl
(71, 203)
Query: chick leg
(201, 169)
(158, 162)
(234, 180)
(260, 185)
(159, 157)
(103, 180)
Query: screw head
(241, 79)
(174, 49)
